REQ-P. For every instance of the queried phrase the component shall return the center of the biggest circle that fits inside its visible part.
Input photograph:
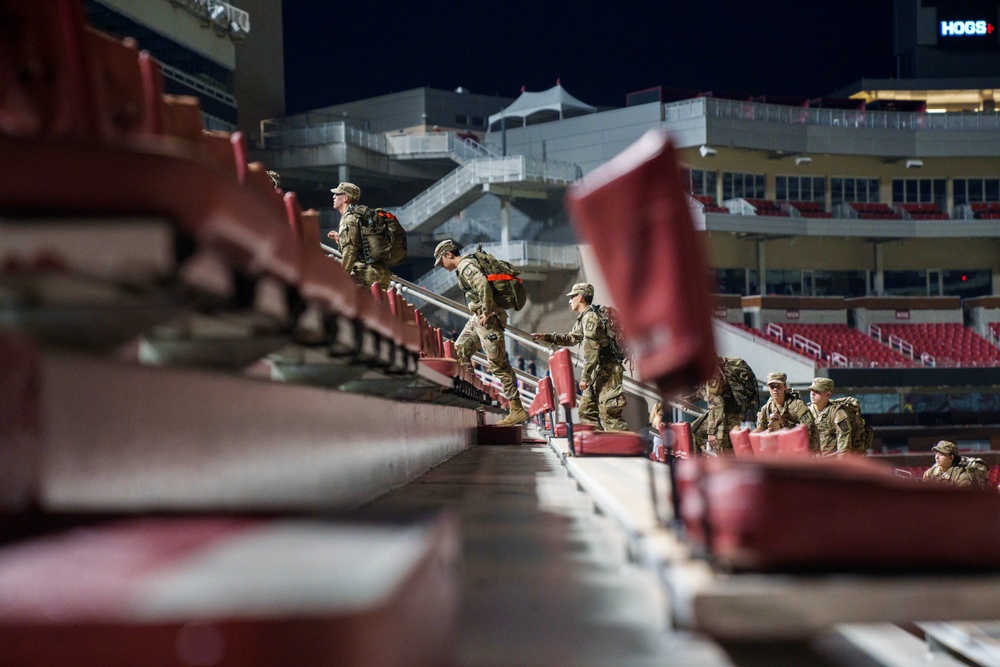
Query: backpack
(743, 383)
(978, 471)
(612, 324)
(862, 434)
(508, 290)
(383, 238)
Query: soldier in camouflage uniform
(352, 245)
(710, 431)
(603, 375)
(832, 424)
(785, 410)
(485, 328)
(947, 466)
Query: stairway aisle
(546, 579)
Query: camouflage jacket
(722, 410)
(350, 239)
(478, 293)
(833, 429)
(590, 331)
(790, 415)
(956, 475)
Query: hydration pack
(508, 290)
(382, 236)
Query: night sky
(339, 52)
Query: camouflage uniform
(488, 337)
(956, 473)
(353, 248)
(722, 415)
(604, 399)
(834, 429)
(790, 415)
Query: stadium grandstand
(218, 450)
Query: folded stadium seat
(564, 384)
(128, 108)
(794, 441)
(740, 437)
(219, 148)
(754, 437)
(769, 443)
(47, 73)
(302, 592)
(182, 119)
(682, 442)
(668, 318)
(763, 513)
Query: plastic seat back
(740, 437)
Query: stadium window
(848, 189)
(920, 191)
(967, 284)
(736, 185)
(462, 120)
(700, 182)
(478, 121)
(970, 190)
(800, 188)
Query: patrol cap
(821, 384)
(776, 378)
(945, 447)
(586, 289)
(349, 189)
(445, 246)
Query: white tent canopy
(530, 108)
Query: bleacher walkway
(547, 581)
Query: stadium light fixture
(914, 164)
(707, 152)
(803, 159)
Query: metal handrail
(851, 118)
(524, 338)
(519, 253)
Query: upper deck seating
(809, 209)
(854, 348)
(950, 344)
(985, 210)
(927, 211)
(874, 211)
(767, 207)
(708, 204)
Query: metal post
(505, 222)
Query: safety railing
(197, 84)
(518, 253)
(414, 292)
(511, 169)
(852, 118)
(296, 133)
(806, 344)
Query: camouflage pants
(604, 400)
(699, 431)
(366, 274)
(489, 339)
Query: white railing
(904, 346)
(853, 118)
(875, 331)
(511, 169)
(927, 359)
(839, 360)
(774, 331)
(518, 253)
(282, 134)
(223, 15)
(435, 144)
(806, 344)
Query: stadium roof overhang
(966, 94)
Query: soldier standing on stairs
(485, 328)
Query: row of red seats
(947, 342)
(984, 206)
(708, 204)
(842, 339)
(96, 136)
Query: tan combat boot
(517, 415)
